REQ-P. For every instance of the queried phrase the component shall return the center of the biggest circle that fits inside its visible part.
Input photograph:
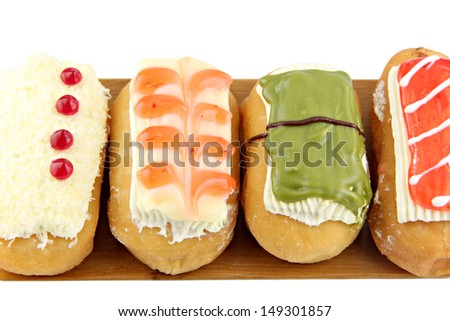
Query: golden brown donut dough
(280, 235)
(22, 256)
(419, 247)
(148, 246)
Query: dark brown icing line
(316, 119)
(307, 121)
(256, 137)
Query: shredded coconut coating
(32, 201)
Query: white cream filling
(379, 101)
(407, 210)
(32, 202)
(312, 211)
(159, 207)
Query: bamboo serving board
(244, 258)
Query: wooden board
(244, 258)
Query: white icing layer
(407, 210)
(311, 211)
(32, 201)
(164, 206)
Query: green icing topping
(319, 159)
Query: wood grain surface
(244, 258)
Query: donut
(306, 188)
(174, 177)
(410, 216)
(53, 132)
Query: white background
(247, 39)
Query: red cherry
(71, 76)
(61, 139)
(67, 105)
(61, 168)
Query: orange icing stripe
(214, 146)
(158, 137)
(209, 78)
(213, 113)
(157, 175)
(211, 183)
(426, 108)
(156, 106)
(148, 80)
